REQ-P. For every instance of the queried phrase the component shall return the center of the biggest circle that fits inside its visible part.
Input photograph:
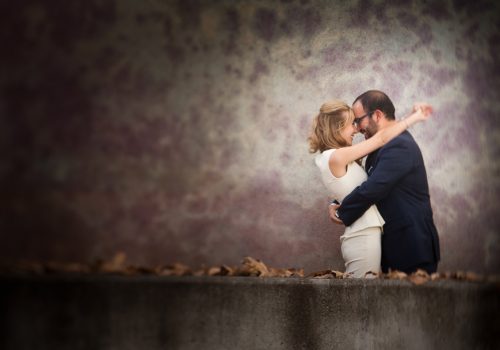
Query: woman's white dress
(360, 243)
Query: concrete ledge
(115, 312)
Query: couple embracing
(386, 209)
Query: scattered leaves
(249, 267)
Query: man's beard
(370, 130)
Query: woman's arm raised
(343, 156)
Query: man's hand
(332, 208)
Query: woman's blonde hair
(333, 117)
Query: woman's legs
(362, 252)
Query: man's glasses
(357, 121)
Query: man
(397, 184)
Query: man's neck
(385, 124)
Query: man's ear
(378, 115)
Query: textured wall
(250, 313)
(176, 130)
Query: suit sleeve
(395, 161)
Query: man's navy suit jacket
(397, 184)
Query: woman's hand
(421, 112)
(423, 107)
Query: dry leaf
(176, 269)
(474, 277)
(371, 274)
(243, 271)
(274, 272)
(296, 272)
(76, 268)
(200, 272)
(327, 274)
(226, 270)
(435, 276)
(115, 265)
(138, 270)
(448, 275)
(348, 275)
(57, 267)
(421, 273)
(338, 274)
(214, 271)
(415, 279)
(419, 277)
(320, 273)
(396, 275)
(255, 267)
(24, 267)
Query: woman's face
(348, 132)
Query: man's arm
(395, 161)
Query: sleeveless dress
(361, 242)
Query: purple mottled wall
(176, 130)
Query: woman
(333, 130)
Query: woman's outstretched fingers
(424, 106)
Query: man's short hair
(375, 99)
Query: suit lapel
(371, 161)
